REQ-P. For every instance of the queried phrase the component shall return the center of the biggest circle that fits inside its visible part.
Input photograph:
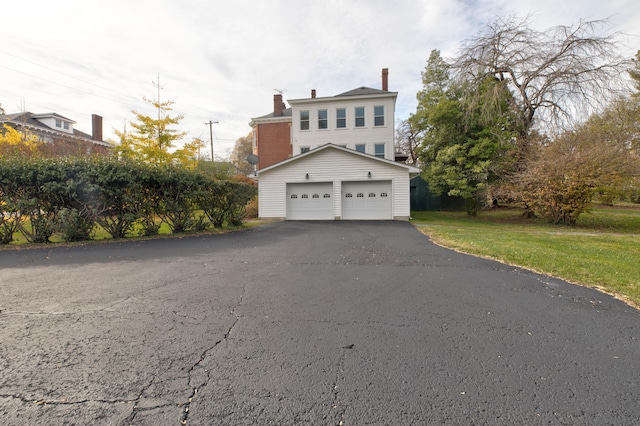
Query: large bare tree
(558, 77)
(408, 140)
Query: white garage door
(310, 201)
(369, 200)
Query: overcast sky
(223, 60)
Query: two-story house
(342, 165)
(58, 132)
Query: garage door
(369, 200)
(310, 201)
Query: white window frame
(359, 117)
(379, 154)
(323, 122)
(341, 122)
(305, 121)
(377, 116)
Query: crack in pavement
(203, 356)
(64, 401)
(91, 311)
(109, 308)
(335, 405)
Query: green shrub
(73, 225)
(39, 197)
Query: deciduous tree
(558, 76)
(467, 129)
(561, 178)
(408, 141)
(241, 151)
(14, 143)
(152, 139)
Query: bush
(74, 226)
(225, 201)
(70, 195)
(179, 191)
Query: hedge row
(40, 197)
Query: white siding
(351, 135)
(331, 165)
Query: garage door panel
(310, 201)
(366, 200)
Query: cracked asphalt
(332, 323)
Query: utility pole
(211, 123)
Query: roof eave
(410, 169)
(339, 98)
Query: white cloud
(222, 60)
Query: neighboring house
(54, 129)
(343, 165)
(271, 134)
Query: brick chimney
(278, 105)
(313, 93)
(96, 127)
(385, 79)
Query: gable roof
(363, 91)
(30, 120)
(360, 92)
(410, 169)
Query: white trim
(410, 169)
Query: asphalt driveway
(313, 323)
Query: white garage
(368, 200)
(335, 183)
(310, 201)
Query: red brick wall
(274, 143)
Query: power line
(61, 73)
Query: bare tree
(407, 141)
(558, 76)
(241, 150)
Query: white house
(361, 119)
(342, 165)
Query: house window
(360, 195)
(316, 195)
(359, 116)
(294, 196)
(327, 195)
(372, 195)
(304, 120)
(304, 149)
(348, 195)
(378, 116)
(383, 195)
(304, 196)
(361, 148)
(341, 118)
(58, 122)
(66, 125)
(379, 150)
(322, 119)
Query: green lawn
(602, 250)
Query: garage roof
(409, 168)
